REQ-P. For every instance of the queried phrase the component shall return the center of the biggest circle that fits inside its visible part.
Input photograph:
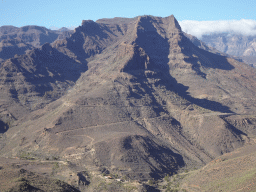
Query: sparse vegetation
(26, 156)
(55, 158)
(129, 188)
(56, 165)
(166, 178)
(151, 182)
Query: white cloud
(199, 28)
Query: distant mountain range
(14, 40)
(135, 99)
(241, 46)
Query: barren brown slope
(230, 172)
(150, 103)
(15, 178)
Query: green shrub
(55, 166)
(150, 182)
(166, 178)
(55, 158)
(26, 156)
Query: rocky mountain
(233, 44)
(134, 98)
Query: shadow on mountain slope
(157, 48)
(3, 127)
(85, 41)
(206, 58)
(47, 69)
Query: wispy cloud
(199, 28)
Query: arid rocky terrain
(135, 99)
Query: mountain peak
(173, 23)
(86, 22)
(148, 22)
(88, 26)
(154, 38)
(145, 23)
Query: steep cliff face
(145, 102)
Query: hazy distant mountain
(14, 40)
(135, 98)
(63, 29)
(31, 34)
(233, 44)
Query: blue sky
(68, 13)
